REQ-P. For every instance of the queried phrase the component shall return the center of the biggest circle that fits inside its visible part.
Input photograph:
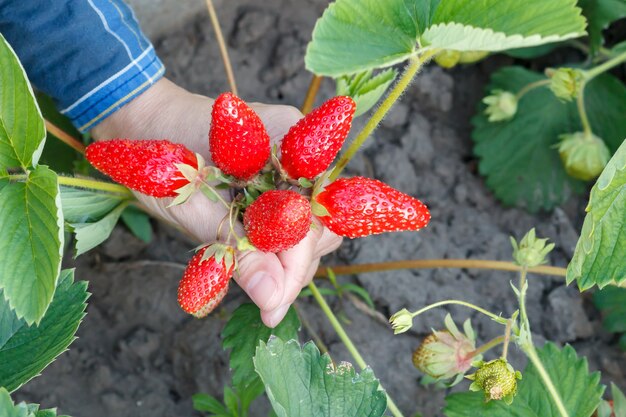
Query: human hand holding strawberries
(165, 110)
(283, 204)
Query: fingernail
(277, 315)
(261, 288)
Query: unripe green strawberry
(447, 58)
(584, 156)
(277, 220)
(448, 353)
(497, 379)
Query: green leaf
(619, 401)
(9, 323)
(31, 248)
(84, 206)
(364, 89)
(242, 334)
(580, 391)
(611, 301)
(496, 25)
(532, 51)
(600, 13)
(301, 383)
(32, 348)
(518, 156)
(22, 130)
(138, 222)
(358, 35)
(8, 409)
(90, 235)
(600, 252)
(205, 402)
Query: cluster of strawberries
(277, 193)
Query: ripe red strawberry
(311, 145)
(205, 281)
(361, 206)
(277, 220)
(148, 166)
(239, 143)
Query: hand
(166, 111)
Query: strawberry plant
(538, 137)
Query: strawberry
(277, 220)
(148, 166)
(239, 143)
(357, 207)
(311, 145)
(205, 281)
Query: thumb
(261, 276)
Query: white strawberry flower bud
(501, 105)
(566, 83)
(531, 251)
(402, 321)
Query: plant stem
(462, 303)
(547, 381)
(594, 72)
(489, 345)
(529, 87)
(436, 263)
(584, 119)
(311, 93)
(65, 137)
(415, 64)
(393, 408)
(507, 339)
(83, 183)
(223, 51)
(526, 344)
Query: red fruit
(239, 143)
(148, 166)
(277, 220)
(361, 206)
(205, 281)
(312, 144)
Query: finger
(262, 277)
(274, 317)
(296, 264)
(328, 241)
(277, 119)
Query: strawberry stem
(494, 317)
(83, 183)
(436, 263)
(487, 346)
(415, 64)
(223, 50)
(526, 344)
(311, 93)
(393, 408)
(65, 137)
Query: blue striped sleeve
(90, 56)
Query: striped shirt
(90, 56)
